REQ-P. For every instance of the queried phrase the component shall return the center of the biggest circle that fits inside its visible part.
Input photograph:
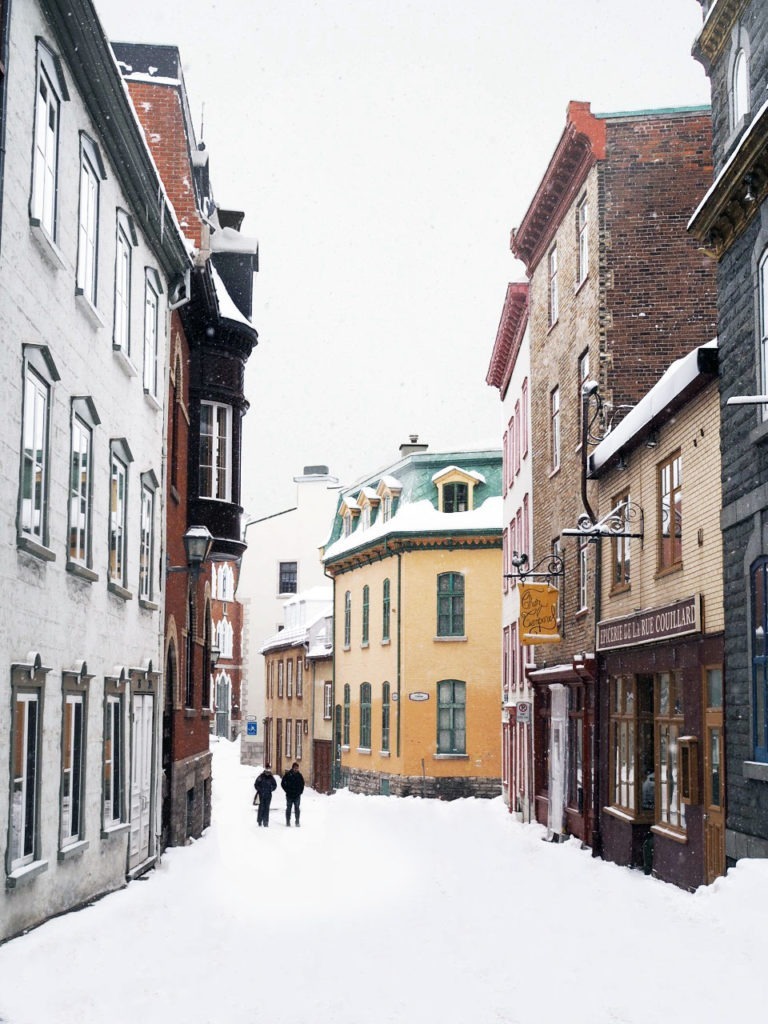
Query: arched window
(740, 87)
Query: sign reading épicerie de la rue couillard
(651, 624)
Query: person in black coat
(293, 784)
(265, 785)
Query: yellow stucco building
(415, 558)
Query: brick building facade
(211, 340)
(731, 224)
(617, 291)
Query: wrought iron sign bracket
(626, 520)
(554, 564)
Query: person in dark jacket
(265, 785)
(293, 784)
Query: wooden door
(278, 765)
(714, 774)
(321, 775)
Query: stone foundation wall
(451, 788)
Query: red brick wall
(161, 115)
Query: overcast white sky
(382, 151)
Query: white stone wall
(47, 608)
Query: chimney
(411, 446)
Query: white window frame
(583, 575)
(120, 459)
(24, 826)
(147, 541)
(582, 247)
(35, 456)
(218, 431)
(50, 92)
(80, 534)
(554, 298)
(73, 747)
(554, 428)
(288, 737)
(327, 701)
(152, 293)
(91, 175)
(299, 739)
(125, 242)
(740, 104)
(113, 778)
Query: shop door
(141, 778)
(714, 774)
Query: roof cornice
(90, 61)
(509, 337)
(716, 31)
(736, 195)
(581, 145)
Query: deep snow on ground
(382, 910)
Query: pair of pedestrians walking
(266, 784)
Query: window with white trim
(554, 302)
(299, 678)
(739, 88)
(125, 242)
(554, 429)
(582, 236)
(118, 512)
(84, 419)
(215, 451)
(50, 93)
(147, 539)
(152, 292)
(114, 745)
(39, 376)
(288, 736)
(327, 700)
(762, 298)
(91, 175)
(298, 750)
(27, 694)
(289, 678)
(72, 769)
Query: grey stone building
(731, 224)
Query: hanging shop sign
(651, 624)
(538, 613)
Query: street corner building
(415, 558)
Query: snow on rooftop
(457, 469)
(391, 482)
(672, 382)
(230, 240)
(423, 517)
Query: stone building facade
(731, 225)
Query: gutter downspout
(399, 666)
(335, 753)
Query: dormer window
(455, 498)
(386, 508)
(366, 520)
(455, 488)
(347, 519)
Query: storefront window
(632, 766)
(669, 723)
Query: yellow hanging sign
(538, 613)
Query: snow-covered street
(385, 910)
